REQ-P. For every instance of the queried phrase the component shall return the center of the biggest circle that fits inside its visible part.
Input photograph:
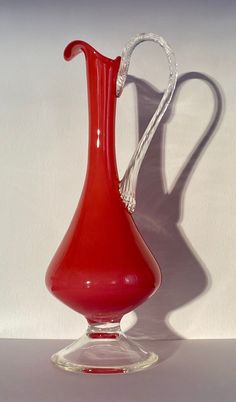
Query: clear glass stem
(129, 181)
(104, 349)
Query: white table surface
(188, 371)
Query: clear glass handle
(129, 181)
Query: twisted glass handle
(129, 181)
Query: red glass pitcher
(103, 269)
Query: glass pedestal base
(104, 349)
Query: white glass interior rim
(129, 181)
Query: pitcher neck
(101, 79)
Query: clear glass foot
(104, 349)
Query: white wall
(43, 134)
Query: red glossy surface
(102, 269)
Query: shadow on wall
(159, 214)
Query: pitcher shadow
(159, 214)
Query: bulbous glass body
(102, 269)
